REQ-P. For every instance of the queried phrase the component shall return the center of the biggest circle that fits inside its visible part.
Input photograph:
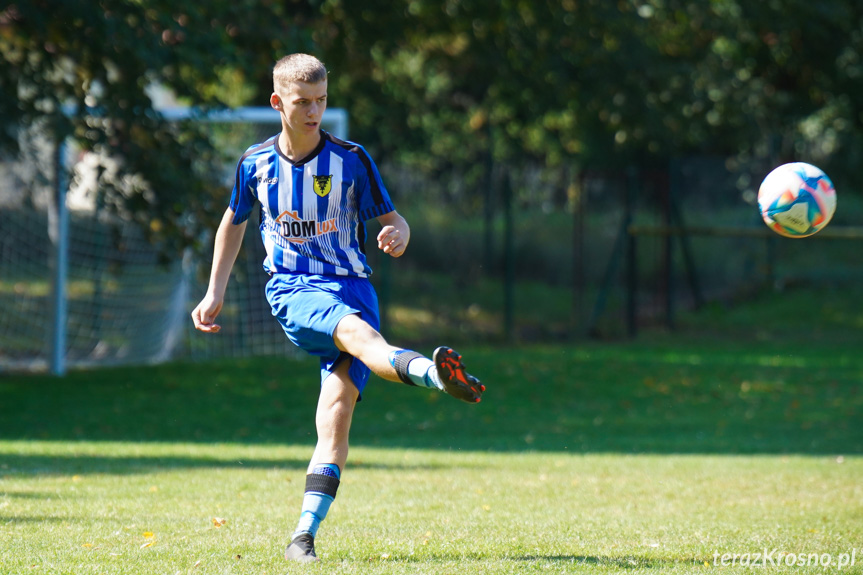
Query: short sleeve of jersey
(243, 196)
(374, 199)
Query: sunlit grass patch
(114, 507)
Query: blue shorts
(309, 307)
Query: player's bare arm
(395, 234)
(229, 238)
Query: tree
(596, 82)
(82, 70)
(442, 85)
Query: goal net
(120, 304)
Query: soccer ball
(796, 200)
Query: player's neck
(297, 146)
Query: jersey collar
(309, 157)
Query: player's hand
(393, 241)
(205, 314)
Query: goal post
(335, 120)
(66, 282)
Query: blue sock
(321, 486)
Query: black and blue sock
(415, 369)
(321, 487)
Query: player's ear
(275, 101)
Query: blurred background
(571, 169)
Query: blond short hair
(298, 68)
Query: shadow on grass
(622, 562)
(625, 562)
(27, 494)
(32, 519)
(674, 396)
(41, 465)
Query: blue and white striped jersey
(313, 212)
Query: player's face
(302, 105)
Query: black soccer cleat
(456, 381)
(302, 549)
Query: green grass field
(739, 434)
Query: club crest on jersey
(323, 184)
(298, 231)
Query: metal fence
(526, 254)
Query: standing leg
(333, 417)
(333, 422)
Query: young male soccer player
(316, 192)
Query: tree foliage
(599, 83)
(82, 70)
(442, 84)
